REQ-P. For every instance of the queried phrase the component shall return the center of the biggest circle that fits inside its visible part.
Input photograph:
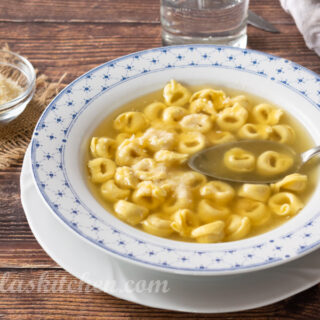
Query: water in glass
(204, 21)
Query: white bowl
(60, 142)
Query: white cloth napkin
(306, 14)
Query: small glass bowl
(20, 70)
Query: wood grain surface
(73, 36)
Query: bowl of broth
(110, 154)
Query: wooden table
(74, 36)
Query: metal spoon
(210, 161)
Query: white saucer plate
(211, 294)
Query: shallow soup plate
(60, 142)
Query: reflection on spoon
(251, 161)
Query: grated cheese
(9, 89)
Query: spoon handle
(307, 155)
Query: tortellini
(130, 122)
(196, 122)
(259, 192)
(184, 221)
(219, 137)
(232, 118)
(256, 211)
(237, 227)
(193, 180)
(129, 152)
(138, 166)
(149, 195)
(254, 131)
(154, 110)
(103, 147)
(158, 225)
(111, 192)
(285, 204)
(239, 160)
(101, 169)
(148, 169)
(191, 142)
(282, 133)
(170, 157)
(271, 163)
(216, 97)
(122, 136)
(218, 191)
(156, 139)
(130, 212)
(179, 197)
(209, 211)
(172, 115)
(295, 182)
(210, 232)
(242, 100)
(203, 106)
(266, 114)
(175, 203)
(125, 178)
(175, 94)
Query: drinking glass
(222, 22)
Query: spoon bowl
(210, 161)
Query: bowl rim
(31, 84)
(143, 263)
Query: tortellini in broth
(137, 165)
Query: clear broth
(302, 143)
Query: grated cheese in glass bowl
(9, 89)
(17, 85)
